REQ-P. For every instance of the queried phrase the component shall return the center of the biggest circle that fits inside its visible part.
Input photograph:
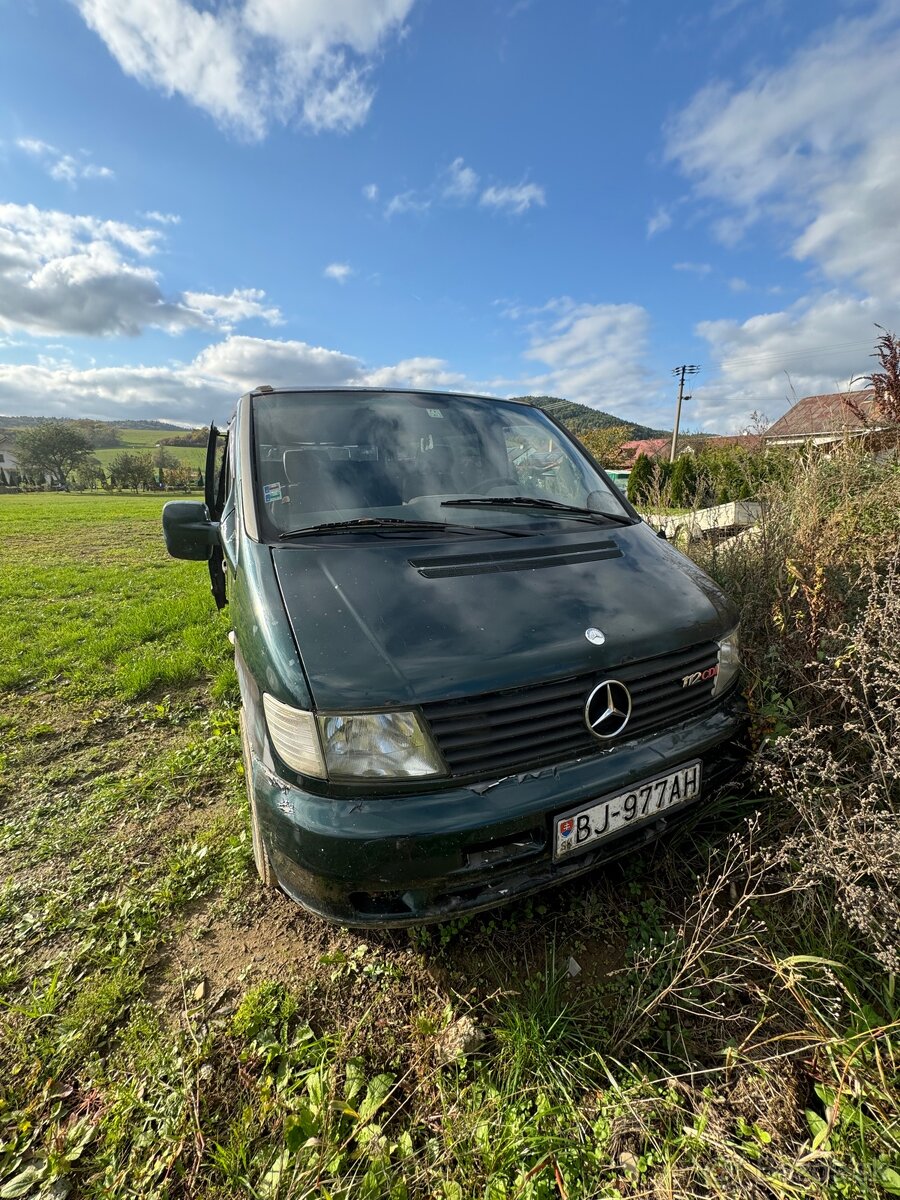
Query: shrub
(799, 576)
(683, 487)
(639, 480)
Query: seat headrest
(299, 465)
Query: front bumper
(393, 860)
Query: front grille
(535, 726)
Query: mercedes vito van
(468, 668)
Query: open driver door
(214, 495)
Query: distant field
(143, 441)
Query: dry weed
(842, 779)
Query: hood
(392, 621)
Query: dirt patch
(272, 938)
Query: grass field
(169, 1029)
(143, 441)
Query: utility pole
(684, 369)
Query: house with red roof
(652, 447)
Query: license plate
(583, 829)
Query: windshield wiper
(534, 502)
(399, 523)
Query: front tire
(260, 854)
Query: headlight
(729, 662)
(392, 745)
(378, 745)
(295, 737)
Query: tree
(164, 461)
(193, 437)
(87, 474)
(683, 487)
(53, 448)
(640, 479)
(101, 434)
(605, 444)
(181, 477)
(132, 470)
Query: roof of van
(264, 390)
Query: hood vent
(514, 560)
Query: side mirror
(661, 533)
(188, 530)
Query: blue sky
(500, 195)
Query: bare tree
(886, 382)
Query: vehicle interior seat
(319, 483)
(366, 484)
(309, 476)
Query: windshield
(323, 457)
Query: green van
(468, 669)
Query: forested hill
(12, 422)
(579, 418)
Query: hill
(12, 422)
(579, 417)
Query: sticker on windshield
(271, 492)
(435, 412)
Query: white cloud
(812, 144)
(370, 191)
(192, 391)
(243, 304)
(460, 181)
(162, 218)
(340, 104)
(65, 168)
(406, 202)
(255, 61)
(770, 360)
(425, 373)
(338, 271)
(207, 385)
(693, 268)
(513, 198)
(590, 352)
(737, 284)
(62, 273)
(811, 150)
(244, 362)
(595, 354)
(35, 147)
(112, 393)
(659, 222)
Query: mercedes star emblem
(595, 636)
(608, 709)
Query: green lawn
(170, 1029)
(116, 616)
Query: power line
(776, 355)
(684, 369)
